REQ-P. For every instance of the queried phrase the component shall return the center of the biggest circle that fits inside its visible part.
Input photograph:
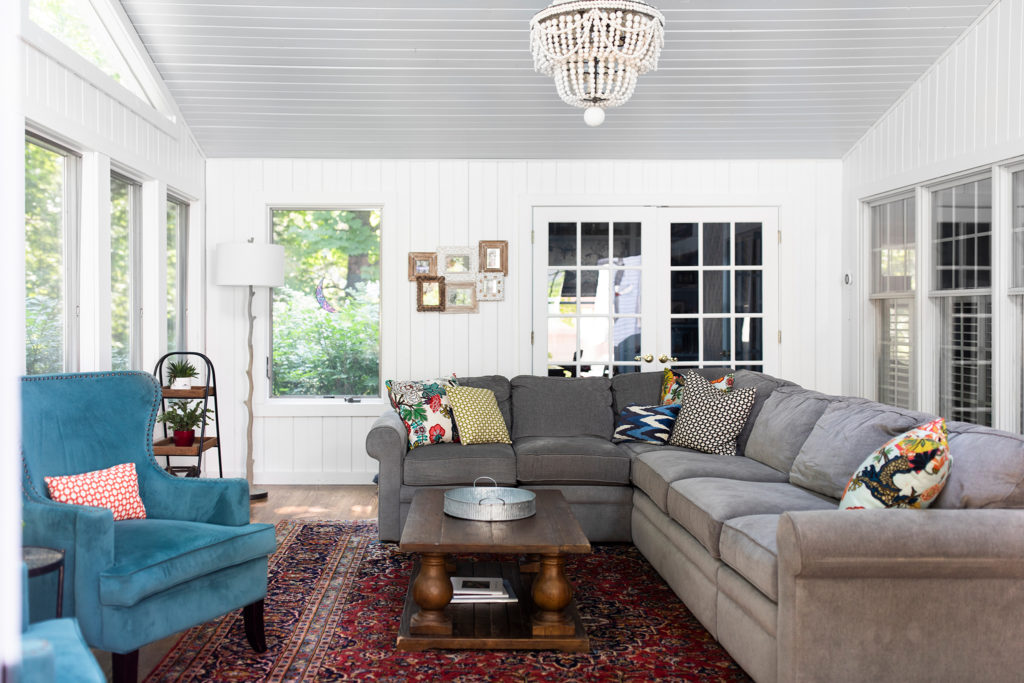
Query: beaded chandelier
(596, 49)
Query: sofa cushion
(635, 388)
(502, 389)
(988, 471)
(848, 431)
(749, 546)
(153, 555)
(570, 460)
(453, 463)
(650, 424)
(562, 406)
(477, 416)
(703, 505)
(786, 420)
(765, 385)
(654, 471)
(710, 419)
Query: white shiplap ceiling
(455, 79)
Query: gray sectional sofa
(754, 545)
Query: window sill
(320, 407)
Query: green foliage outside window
(120, 273)
(44, 260)
(326, 317)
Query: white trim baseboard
(312, 478)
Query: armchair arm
(213, 501)
(866, 593)
(387, 442)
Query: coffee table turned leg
(551, 594)
(432, 591)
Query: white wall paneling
(430, 203)
(966, 112)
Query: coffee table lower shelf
(491, 626)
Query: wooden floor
(282, 502)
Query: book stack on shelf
(481, 589)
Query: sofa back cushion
(562, 406)
(786, 420)
(987, 471)
(848, 431)
(635, 388)
(765, 385)
(501, 387)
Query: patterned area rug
(335, 599)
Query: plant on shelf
(180, 374)
(183, 417)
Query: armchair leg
(125, 667)
(253, 617)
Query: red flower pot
(184, 439)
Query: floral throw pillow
(672, 384)
(907, 472)
(425, 409)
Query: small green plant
(180, 369)
(184, 416)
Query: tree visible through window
(326, 317)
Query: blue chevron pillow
(652, 424)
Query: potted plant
(183, 417)
(180, 374)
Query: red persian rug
(335, 599)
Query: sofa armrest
(938, 591)
(212, 501)
(387, 442)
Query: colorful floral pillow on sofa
(907, 472)
(425, 409)
(672, 384)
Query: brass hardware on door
(666, 359)
(647, 358)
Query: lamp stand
(254, 494)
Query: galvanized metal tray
(490, 503)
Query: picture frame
(422, 263)
(494, 256)
(460, 297)
(430, 293)
(490, 287)
(457, 263)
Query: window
(326, 317)
(177, 274)
(76, 24)
(893, 268)
(962, 240)
(124, 273)
(51, 221)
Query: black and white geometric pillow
(710, 420)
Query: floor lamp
(247, 264)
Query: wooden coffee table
(545, 616)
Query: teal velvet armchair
(195, 557)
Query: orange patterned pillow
(115, 488)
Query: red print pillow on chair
(115, 488)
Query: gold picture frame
(422, 263)
(494, 256)
(430, 293)
(460, 297)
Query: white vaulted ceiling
(455, 79)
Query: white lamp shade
(247, 263)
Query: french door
(626, 289)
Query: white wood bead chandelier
(596, 49)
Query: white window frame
(135, 279)
(182, 270)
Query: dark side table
(42, 561)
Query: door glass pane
(562, 340)
(627, 284)
(684, 292)
(684, 244)
(685, 339)
(121, 209)
(716, 244)
(561, 291)
(626, 338)
(716, 291)
(717, 342)
(561, 244)
(626, 243)
(44, 260)
(748, 291)
(623, 369)
(594, 340)
(748, 244)
(594, 292)
(594, 244)
(749, 339)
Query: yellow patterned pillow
(477, 416)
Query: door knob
(666, 359)
(647, 358)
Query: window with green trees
(50, 207)
(124, 207)
(177, 272)
(326, 317)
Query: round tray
(490, 503)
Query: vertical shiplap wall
(457, 202)
(967, 111)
